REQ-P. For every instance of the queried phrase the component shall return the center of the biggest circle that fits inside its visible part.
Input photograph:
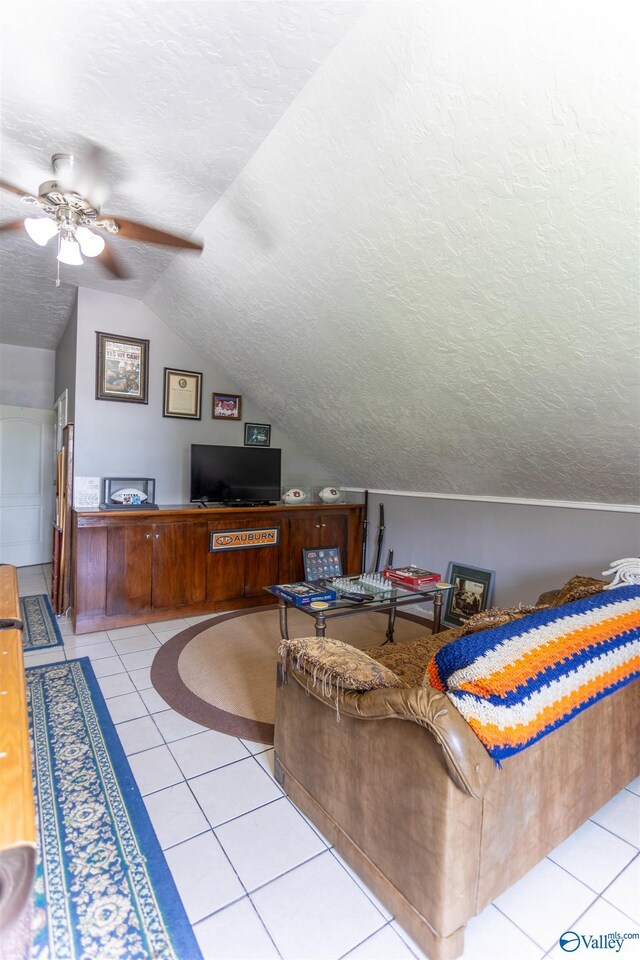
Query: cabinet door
(239, 574)
(261, 569)
(316, 530)
(129, 568)
(302, 535)
(225, 570)
(334, 533)
(179, 564)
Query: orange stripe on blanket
(504, 681)
(434, 677)
(492, 735)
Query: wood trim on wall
(567, 504)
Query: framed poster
(321, 562)
(472, 591)
(182, 394)
(226, 406)
(257, 434)
(122, 368)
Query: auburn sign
(243, 539)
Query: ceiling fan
(78, 222)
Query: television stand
(134, 567)
(249, 503)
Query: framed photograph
(226, 406)
(182, 394)
(122, 368)
(472, 592)
(321, 562)
(257, 434)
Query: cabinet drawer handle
(317, 526)
(147, 536)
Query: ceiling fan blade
(111, 264)
(139, 231)
(12, 224)
(10, 187)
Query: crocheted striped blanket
(517, 682)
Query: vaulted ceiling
(420, 220)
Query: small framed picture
(122, 368)
(257, 434)
(322, 562)
(226, 406)
(182, 394)
(472, 592)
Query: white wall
(66, 360)
(531, 548)
(26, 376)
(134, 440)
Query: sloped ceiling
(425, 266)
(178, 96)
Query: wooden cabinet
(154, 566)
(242, 574)
(137, 566)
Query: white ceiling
(420, 220)
(180, 94)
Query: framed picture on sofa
(472, 592)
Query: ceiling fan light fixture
(40, 229)
(91, 243)
(70, 253)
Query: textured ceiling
(179, 94)
(420, 224)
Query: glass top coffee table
(388, 599)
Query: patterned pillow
(517, 682)
(576, 588)
(409, 660)
(496, 616)
(337, 664)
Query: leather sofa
(409, 796)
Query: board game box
(303, 593)
(412, 576)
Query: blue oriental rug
(103, 888)
(41, 630)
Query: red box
(412, 576)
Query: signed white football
(329, 495)
(294, 495)
(128, 495)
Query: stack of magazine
(303, 593)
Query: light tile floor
(258, 881)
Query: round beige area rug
(222, 672)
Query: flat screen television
(235, 474)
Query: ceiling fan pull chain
(57, 261)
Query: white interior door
(27, 492)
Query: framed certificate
(182, 394)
